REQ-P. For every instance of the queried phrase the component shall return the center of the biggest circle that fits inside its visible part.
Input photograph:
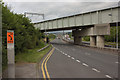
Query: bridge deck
(109, 15)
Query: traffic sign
(10, 37)
(10, 54)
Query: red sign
(10, 37)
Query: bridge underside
(74, 27)
(95, 24)
(96, 33)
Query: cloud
(60, 0)
(57, 9)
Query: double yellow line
(44, 67)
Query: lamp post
(110, 14)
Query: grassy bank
(32, 56)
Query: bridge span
(95, 24)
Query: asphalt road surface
(72, 61)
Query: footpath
(24, 70)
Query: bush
(86, 38)
(26, 36)
(52, 36)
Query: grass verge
(32, 56)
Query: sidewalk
(24, 70)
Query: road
(72, 61)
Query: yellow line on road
(48, 76)
(45, 61)
(43, 72)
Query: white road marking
(78, 61)
(65, 54)
(95, 70)
(116, 62)
(84, 64)
(61, 51)
(68, 56)
(87, 54)
(72, 58)
(56, 48)
(108, 76)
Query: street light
(110, 14)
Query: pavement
(71, 61)
(23, 70)
(26, 70)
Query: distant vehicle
(58, 37)
(68, 38)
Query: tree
(26, 36)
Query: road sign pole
(10, 54)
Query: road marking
(65, 54)
(43, 72)
(68, 56)
(88, 65)
(61, 51)
(84, 64)
(95, 70)
(108, 76)
(72, 58)
(116, 62)
(57, 49)
(78, 61)
(44, 65)
(48, 76)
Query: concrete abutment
(96, 34)
(78, 40)
(92, 40)
(100, 41)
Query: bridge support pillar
(92, 40)
(77, 40)
(100, 41)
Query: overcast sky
(54, 9)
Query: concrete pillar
(78, 40)
(100, 41)
(92, 40)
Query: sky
(57, 8)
